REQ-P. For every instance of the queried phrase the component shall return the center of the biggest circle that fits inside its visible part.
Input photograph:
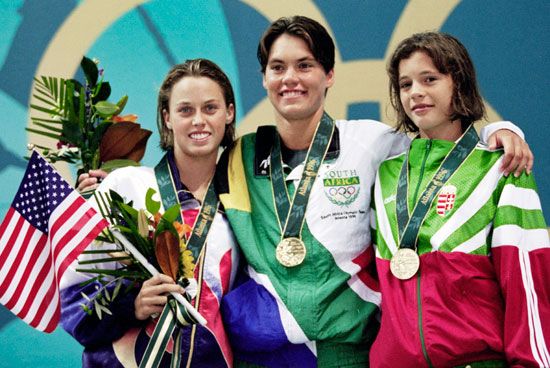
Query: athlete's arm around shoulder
(380, 140)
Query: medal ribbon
(174, 314)
(410, 226)
(166, 181)
(291, 214)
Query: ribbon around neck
(409, 226)
(174, 316)
(291, 214)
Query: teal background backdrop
(507, 40)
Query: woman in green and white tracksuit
(461, 249)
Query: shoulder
(483, 154)
(363, 125)
(393, 163)
(365, 130)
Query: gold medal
(291, 252)
(404, 264)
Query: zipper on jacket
(420, 330)
(418, 294)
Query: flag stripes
(47, 226)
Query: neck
(450, 132)
(196, 172)
(297, 134)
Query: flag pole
(153, 271)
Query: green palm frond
(51, 96)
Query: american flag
(47, 226)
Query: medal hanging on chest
(405, 263)
(291, 250)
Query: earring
(169, 125)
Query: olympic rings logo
(346, 192)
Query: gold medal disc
(291, 252)
(404, 264)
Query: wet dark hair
(449, 57)
(314, 35)
(193, 68)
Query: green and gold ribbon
(291, 214)
(409, 226)
(174, 315)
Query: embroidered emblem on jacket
(446, 199)
(341, 186)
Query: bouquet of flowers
(159, 238)
(88, 129)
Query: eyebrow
(422, 73)
(185, 102)
(305, 58)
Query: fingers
(98, 173)
(530, 161)
(86, 183)
(492, 143)
(513, 158)
(153, 295)
(526, 162)
(90, 180)
(517, 156)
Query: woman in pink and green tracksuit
(462, 251)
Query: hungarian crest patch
(446, 199)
